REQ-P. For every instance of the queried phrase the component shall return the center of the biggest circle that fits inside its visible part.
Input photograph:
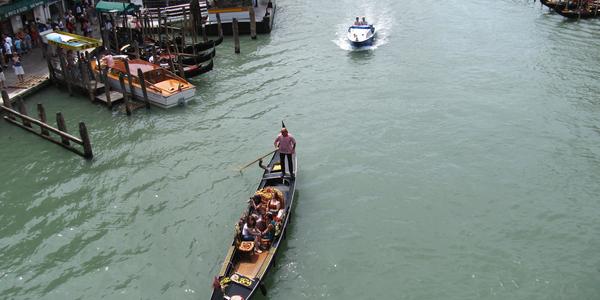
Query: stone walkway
(36, 73)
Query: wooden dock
(251, 20)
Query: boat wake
(383, 25)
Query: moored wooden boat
(163, 88)
(559, 4)
(580, 13)
(243, 271)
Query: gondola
(190, 59)
(580, 13)
(190, 71)
(243, 270)
(559, 4)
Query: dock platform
(264, 16)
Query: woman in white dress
(18, 66)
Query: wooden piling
(252, 23)
(154, 55)
(181, 69)
(85, 139)
(129, 80)
(65, 73)
(236, 36)
(194, 27)
(6, 103)
(23, 111)
(136, 48)
(143, 85)
(125, 96)
(219, 26)
(204, 34)
(106, 87)
(85, 75)
(159, 27)
(62, 126)
(42, 117)
(114, 31)
(50, 68)
(170, 57)
(65, 136)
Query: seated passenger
(274, 204)
(256, 205)
(251, 233)
(269, 233)
(356, 22)
(364, 21)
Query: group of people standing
(12, 50)
(81, 14)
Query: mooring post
(106, 87)
(236, 37)
(125, 96)
(6, 102)
(136, 48)
(154, 56)
(204, 34)
(252, 23)
(171, 66)
(42, 117)
(129, 80)
(159, 26)
(114, 32)
(23, 111)
(65, 73)
(85, 138)
(219, 26)
(143, 85)
(62, 126)
(181, 69)
(85, 74)
(50, 68)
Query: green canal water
(457, 159)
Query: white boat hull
(180, 98)
(361, 35)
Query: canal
(459, 158)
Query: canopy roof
(115, 7)
(71, 41)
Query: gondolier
(286, 144)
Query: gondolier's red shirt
(286, 143)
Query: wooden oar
(252, 162)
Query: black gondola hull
(246, 290)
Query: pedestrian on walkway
(27, 41)
(19, 45)
(18, 66)
(2, 79)
(7, 51)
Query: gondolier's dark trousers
(282, 157)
